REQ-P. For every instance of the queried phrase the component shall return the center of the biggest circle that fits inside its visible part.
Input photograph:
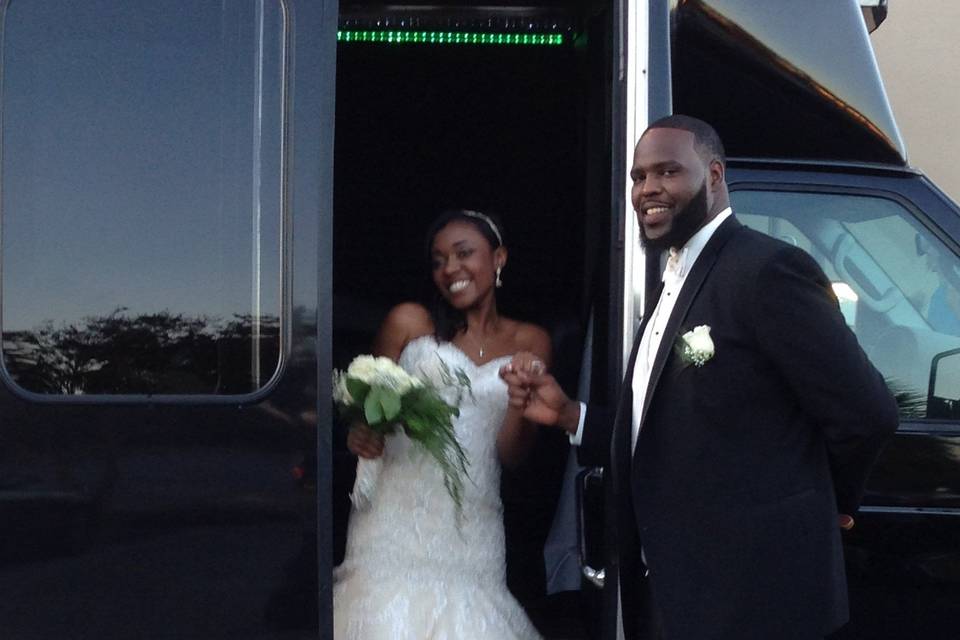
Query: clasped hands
(536, 393)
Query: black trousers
(641, 618)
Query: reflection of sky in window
(129, 140)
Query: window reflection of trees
(155, 353)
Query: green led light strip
(450, 37)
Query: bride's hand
(364, 442)
(537, 394)
(527, 363)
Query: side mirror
(943, 395)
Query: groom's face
(669, 194)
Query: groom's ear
(716, 173)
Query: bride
(411, 572)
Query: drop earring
(499, 281)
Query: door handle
(598, 578)
(590, 481)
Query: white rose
(382, 372)
(698, 345)
(393, 378)
(699, 340)
(363, 368)
(409, 382)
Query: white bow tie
(676, 263)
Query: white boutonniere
(695, 346)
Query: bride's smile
(464, 264)
(458, 286)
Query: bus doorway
(448, 115)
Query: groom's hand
(846, 522)
(538, 395)
(364, 442)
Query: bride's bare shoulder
(532, 338)
(405, 322)
(411, 318)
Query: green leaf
(358, 389)
(415, 424)
(372, 410)
(390, 404)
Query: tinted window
(142, 208)
(898, 284)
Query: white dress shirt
(679, 265)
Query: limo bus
(206, 207)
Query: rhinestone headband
(485, 218)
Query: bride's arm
(404, 323)
(517, 435)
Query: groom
(747, 422)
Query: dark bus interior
(522, 131)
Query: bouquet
(382, 394)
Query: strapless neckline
(463, 354)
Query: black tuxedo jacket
(742, 464)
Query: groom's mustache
(683, 225)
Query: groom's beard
(685, 223)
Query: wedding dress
(410, 572)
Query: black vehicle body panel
(180, 516)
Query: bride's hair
(448, 320)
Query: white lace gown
(409, 572)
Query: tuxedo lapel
(620, 443)
(691, 287)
